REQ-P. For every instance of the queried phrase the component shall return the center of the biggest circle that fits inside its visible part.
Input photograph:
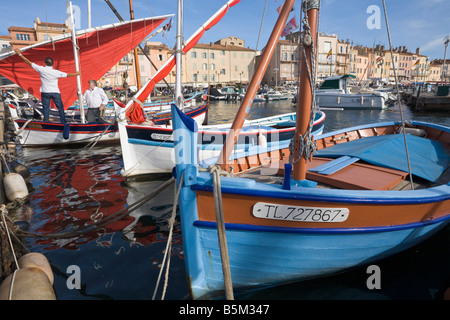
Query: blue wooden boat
(358, 200)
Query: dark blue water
(122, 260)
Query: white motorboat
(336, 92)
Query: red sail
(100, 50)
(134, 112)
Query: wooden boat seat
(334, 165)
(352, 175)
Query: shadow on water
(122, 259)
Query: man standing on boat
(96, 99)
(49, 85)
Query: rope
(218, 205)
(169, 242)
(398, 98)
(3, 210)
(307, 146)
(260, 28)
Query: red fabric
(235, 2)
(135, 112)
(194, 41)
(99, 52)
(119, 103)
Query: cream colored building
(343, 56)
(5, 44)
(420, 67)
(435, 71)
(326, 56)
(225, 62)
(283, 66)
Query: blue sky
(414, 23)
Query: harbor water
(121, 260)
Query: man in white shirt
(96, 99)
(49, 85)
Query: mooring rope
(3, 211)
(169, 242)
(218, 204)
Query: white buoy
(37, 260)
(27, 284)
(262, 140)
(15, 186)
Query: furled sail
(134, 111)
(100, 49)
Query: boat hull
(351, 101)
(272, 249)
(261, 258)
(278, 233)
(39, 133)
(150, 149)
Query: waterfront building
(437, 66)
(283, 67)
(5, 44)
(434, 74)
(222, 63)
(420, 67)
(343, 56)
(362, 63)
(42, 31)
(405, 61)
(326, 56)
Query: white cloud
(437, 42)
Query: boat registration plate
(295, 213)
(160, 136)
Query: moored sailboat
(96, 57)
(148, 148)
(311, 208)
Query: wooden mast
(304, 91)
(136, 62)
(254, 85)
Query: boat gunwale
(305, 230)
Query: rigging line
(260, 28)
(3, 210)
(169, 241)
(398, 97)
